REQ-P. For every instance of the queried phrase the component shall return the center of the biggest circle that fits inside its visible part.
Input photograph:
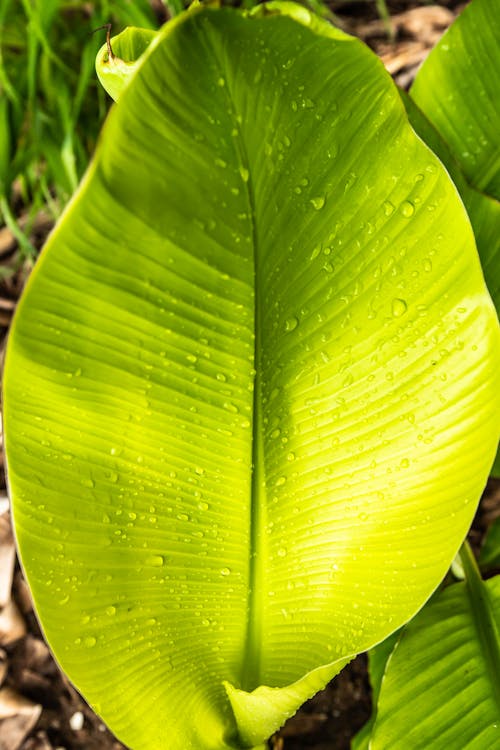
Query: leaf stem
(483, 617)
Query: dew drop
(427, 264)
(245, 174)
(407, 209)
(221, 82)
(282, 552)
(399, 307)
(350, 181)
(318, 202)
(88, 483)
(89, 641)
(388, 208)
(110, 611)
(225, 571)
(156, 561)
(291, 324)
(280, 481)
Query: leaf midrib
(251, 667)
(251, 662)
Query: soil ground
(39, 709)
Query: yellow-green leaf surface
(458, 88)
(441, 689)
(252, 388)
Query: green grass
(51, 107)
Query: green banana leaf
(483, 210)
(251, 392)
(116, 64)
(441, 689)
(458, 89)
(377, 661)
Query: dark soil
(39, 709)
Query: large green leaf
(440, 688)
(377, 661)
(483, 210)
(252, 389)
(458, 88)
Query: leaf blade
(162, 266)
(439, 688)
(458, 92)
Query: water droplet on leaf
(407, 209)
(399, 307)
(156, 561)
(318, 202)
